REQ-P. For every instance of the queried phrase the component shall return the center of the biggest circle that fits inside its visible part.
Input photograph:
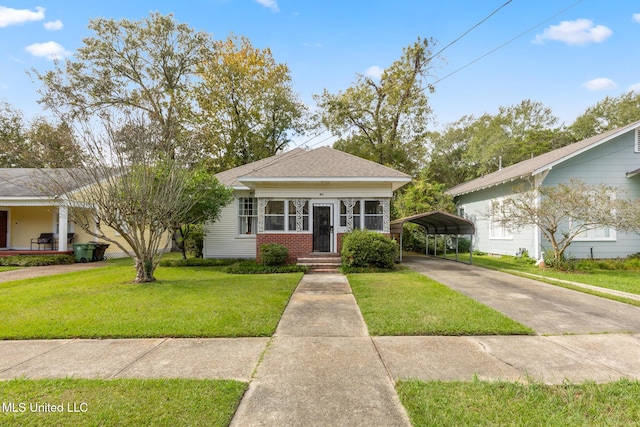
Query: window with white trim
(637, 140)
(603, 233)
(247, 215)
(497, 229)
(373, 215)
(595, 234)
(274, 215)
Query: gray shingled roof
(537, 164)
(26, 182)
(301, 165)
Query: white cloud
(9, 16)
(270, 4)
(53, 25)
(48, 50)
(635, 87)
(578, 32)
(636, 17)
(374, 72)
(601, 83)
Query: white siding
(221, 237)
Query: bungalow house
(28, 209)
(611, 158)
(305, 200)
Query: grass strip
(183, 302)
(501, 403)
(131, 402)
(619, 280)
(407, 303)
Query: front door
(322, 229)
(3, 229)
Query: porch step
(321, 263)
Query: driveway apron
(321, 368)
(548, 309)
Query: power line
(508, 41)
(469, 30)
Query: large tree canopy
(249, 108)
(146, 65)
(610, 113)
(39, 144)
(384, 121)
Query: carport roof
(436, 222)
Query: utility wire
(508, 41)
(469, 30)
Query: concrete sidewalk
(322, 368)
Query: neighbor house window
(600, 233)
(274, 215)
(637, 140)
(497, 229)
(373, 215)
(247, 215)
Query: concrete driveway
(548, 309)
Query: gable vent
(637, 140)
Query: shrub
(36, 260)
(194, 242)
(274, 254)
(252, 267)
(363, 248)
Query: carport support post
(470, 248)
(444, 241)
(457, 247)
(435, 245)
(401, 233)
(426, 244)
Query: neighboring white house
(305, 200)
(612, 158)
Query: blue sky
(576, 53)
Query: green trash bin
(83, 251)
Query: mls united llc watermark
(21, 407)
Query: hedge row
(36, 260)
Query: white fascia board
(324, 179)
(396, 182)
(28, 201)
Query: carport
(438, 223)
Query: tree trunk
(144, 270)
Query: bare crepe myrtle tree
(566, 211)
(132, 181)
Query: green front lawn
(174, 402)
(407, 303)
(477, 403)
(184, 302)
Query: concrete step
(321, 263)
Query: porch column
(63, 220)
